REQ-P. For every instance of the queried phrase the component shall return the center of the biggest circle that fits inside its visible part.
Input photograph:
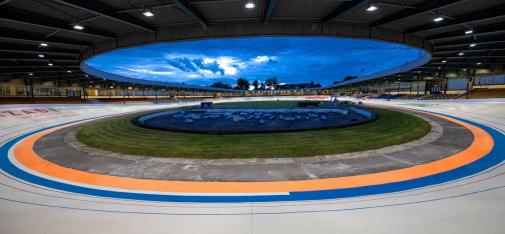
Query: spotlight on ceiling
(444, 61)
(41, 56)
(469, 31)
(372, 7)
(250, 5)
(69, 71)
(30, 74)
(148, 13)
(43, 44)
(50, 64)
(461, 53)
(472, 45)
(78, 27)
(438, 19)
(479, 63)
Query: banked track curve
(479, 177)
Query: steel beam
(107, 12)
(37, 72)
(422, 8)
(184, 6)
(3, 2)
(20, 16)
(466, 51)
(462, 43)
(20, 36)
(345, 7)
(20, 56)
(491, 29)
(36, 49)
(485, 14)
(270, 10)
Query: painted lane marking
(466, 170)
(24, 154)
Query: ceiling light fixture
(148, 13)
(438, 19)
(469, 31)
(78, 27)
(250, 5)
(479, 63)
(50, 64)
(372, 7)
(473, 45)
(41, 56)
(461, 53)
(30, 74)
(444, 61)
(43, 44)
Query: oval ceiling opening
(292, 60)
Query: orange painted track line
(481, 146)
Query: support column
(410, 91)
(32, 95)
(155, 96)
(124, 95)
(58, 84)
(469, 84)
(446, 80)
(418, 84)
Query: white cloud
(230, 65)
(264, 59)
(147, 71)
(160, 69)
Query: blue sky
(290, 59)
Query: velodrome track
(471, 202)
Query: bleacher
(386, 96)
(412, 96)
(142, 100)
(438, 96)
(480, 93)
(418, 97)
(121, 101)
(42, 100)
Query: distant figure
(335, 102)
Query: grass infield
(119, 134)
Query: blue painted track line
(496, 156)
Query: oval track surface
(468, 203)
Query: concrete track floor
(473, 204)
(447, 139)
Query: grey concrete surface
(470, 205)
(55, 147)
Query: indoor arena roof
(48, 39)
